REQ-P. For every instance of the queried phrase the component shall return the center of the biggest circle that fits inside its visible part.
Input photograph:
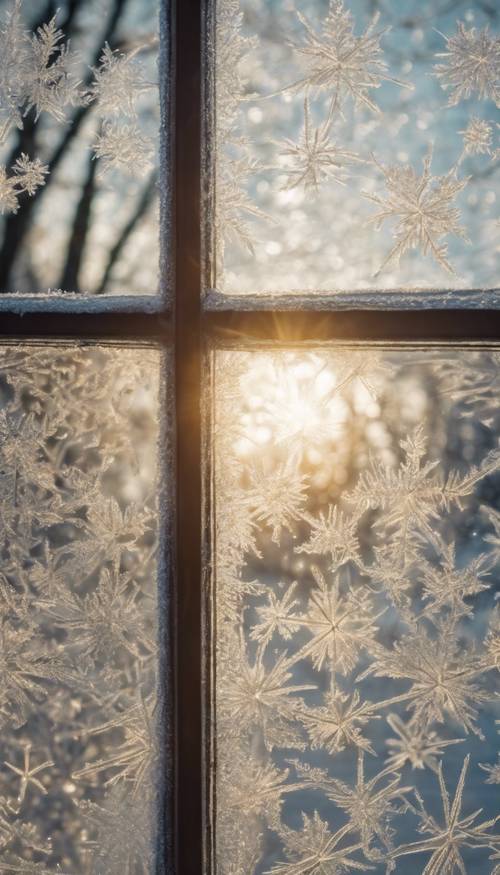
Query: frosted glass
(79, 147)
(355, 613)
(355, 148)
(78, 610)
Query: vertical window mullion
(188, 811)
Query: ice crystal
(233, 207)
(314, 850)
(26, 177)
(471, 65)
(333, 535)
(423, 209)
(445, 841)
(443, 676)
(28, 775)
(276, 497)
(342, 625)
(369, 805)
(415, 744)
(338, 723)
(118, 81)
(263, 699)
(37, 72)
(493, 772)
(123, 146)
(477, 137)
(133, 758)
(341, 63)
(450, 586)
(316, 157)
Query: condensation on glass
(355, 148)
(79, 132)
(356, 540)
(78, 609)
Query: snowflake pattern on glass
(319, 106)
(79, 715)
(355, 612)
(79, 147)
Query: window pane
(78, 607)
(79, 147)
(356, 533)
(357, 150)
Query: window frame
(192, 327)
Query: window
(249, 509)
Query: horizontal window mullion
(112, 325)
(298, 325)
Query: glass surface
(78, 609)
(79, 147)
(356, 545)
(356, 147)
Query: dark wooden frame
(189, 329)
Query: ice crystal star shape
(445, 841)
(36, 72)
(340, 62)
(28, 774)
(449, 586)
(132, 759)
(422, 210)
(258, 789)
(278, 616)
(122, 146)
(118, 82)
(26, 177)
(314, 850)
(369, 804)
(276, 497)
(471, 65)
(333, 534)
(443, 676)
(262, 698)
(416, 745)
(106, 621)
(233, 205)
(316, 158)
(412, 495)
(26, 665)
(493, 771)
(477, 137)
(339, 722)
(51, 84)
(342, 625)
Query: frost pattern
(313, 95)
(78, 610)
(356, 549)
(79, 146)
(39, 74)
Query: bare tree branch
(81, 225)
(142, 207)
